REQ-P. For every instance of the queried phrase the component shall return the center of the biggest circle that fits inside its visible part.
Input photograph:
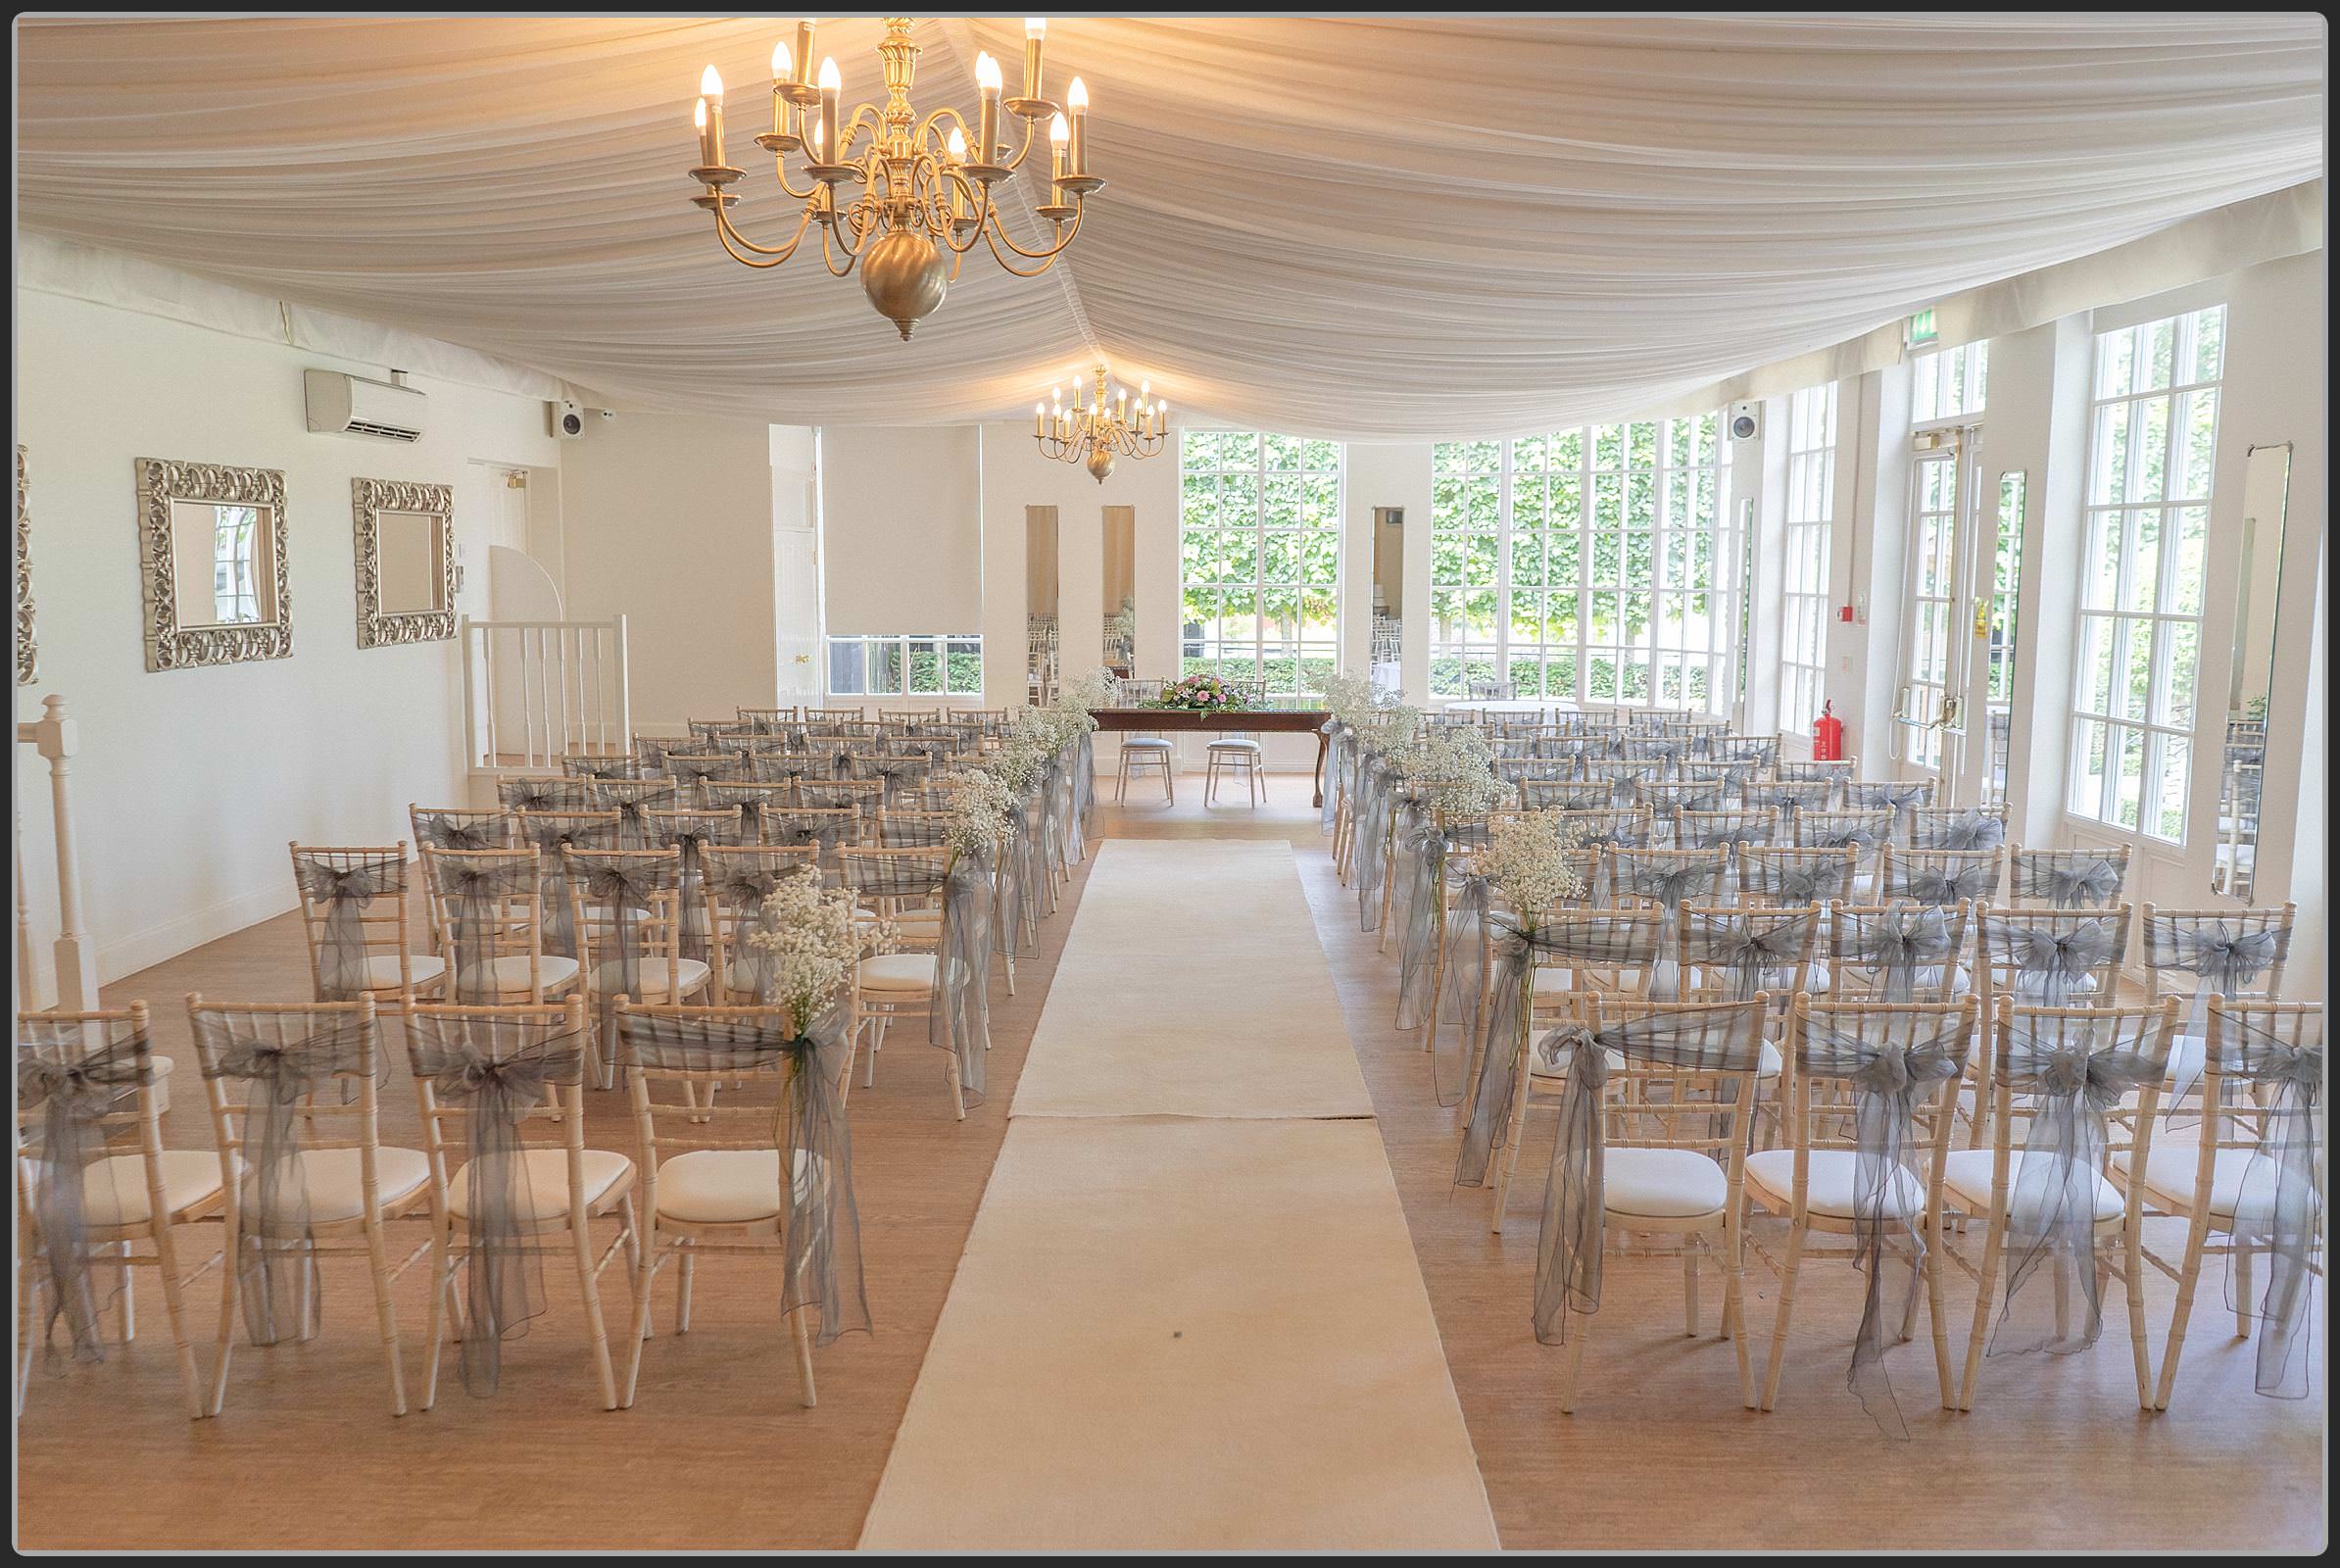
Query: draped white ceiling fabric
(1384, 227)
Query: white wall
(190, 783)
(667, 518)
(902, 524)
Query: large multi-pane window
(1259, 549)
(906, 666)
(1948, 384)
(2153, 438)
(1592, 563)
(1811, 512)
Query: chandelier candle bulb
(783, 67)
(1059, 133)
(831, 86)
(1076, 158)
(804, 54)
(710, 93)
(709, 158)
(987, 114)
(1035, 30)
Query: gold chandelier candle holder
(1098, 432)
(924, 186)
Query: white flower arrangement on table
(816, 936)
(977, 804)
(1531, 860)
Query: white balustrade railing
(535, 691)
(55, 737)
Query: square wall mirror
(2267, 499)
(406, 562)
(1121, 590)
(212, 569)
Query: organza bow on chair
(1814, 881)
(1337, 741)
(74, 1087)
(2279, 1210)
(1887, 1077)
(1418, 855)
(821, 1224)
(2067, 879)
(1613, 942)
(1371, 843)
(632, 802)
(2224, 961)
(273, 1253)
(552, 837)
(498, 1070)
(744, 886)
(1752, 950)
(1668, 883)
(462, 830)
(1898, 799)
(1939, 885)
(1722, 1040)
(2072, 1070)
(473, 889)
(2051, 962)
(540, 793)
(960, 1013)
(1966, 831)
(692, 836)
(341, 894)
(1897, 942)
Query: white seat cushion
(2170, 1169)
(1829, 1181)
(543, 1183)
(1249, 747)
(1662, 1182)
(651, 976)
(335, 1180)
(509, 974)
(114, 1190)
(1146, 743)
(2024, 986)
(1967, 1179)
(899, 972)
(1769, 1062)
(422, 968)
(726, 1186)
(1815, 978)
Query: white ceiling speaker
(567, 421)
(1746, 422)
(351, 405)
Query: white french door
(1957, 647)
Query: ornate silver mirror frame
(162, 487)
(27, 650)
(370, 499)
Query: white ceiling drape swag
(1374, 229)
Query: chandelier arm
(728, 234)
(930, 127)
(852, 128)
(1044, 256)
(780, 174)
(1017, 162)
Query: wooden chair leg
(2132, 1286)
(1936, 1313)
(166, 1266)
(2189, 1275)
(442, 1287)
(958, 1100)
(1580, 1328)
(2242, 1290)
(385, 1316)
(591, 1285)
(638, 1333)
(230, 1241)
(1689, 1292)
(1507, 1155)
(800, 1329)
(1994, 1241)
(1788, 1271)
(1734, 1313)
(685, 1276)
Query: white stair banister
(57, 738)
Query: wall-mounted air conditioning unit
(351, 405)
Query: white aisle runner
(1188, 1315)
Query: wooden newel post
(57, 738)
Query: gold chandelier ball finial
(1101, 462)
(905, 277)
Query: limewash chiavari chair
(1762, 751)
(739, 878)
(1897, 798)
(1667, 799)
(486, 1078)
(1622, 776)
(537, 793)
(1898, 952)
(2236, 954)
(692, 832)
(552, 834)
(864, 797)
(1145, 750)
(596, 766)
(1938, 876)
(491, 906)
(2083, 1084)
(1957, 827)
(825, 829)
(711, 1174)
(1837, 773)
(353, 920)
(708, 728)
(690, 770)
(2042, 958)
(1773, 874)
(1564, 795)
(1652, 1144)
(631, 799)
(305, 1173)
(2254, 1175)
(1732, 829)
(1731, 954)
(903, 886)
(751, 800)
(2066, 879)
(767, 720)
(1865, 830)
(87, 1085)
(1733, 777)
(628, 909)
(832, 715)
(1664, 880)
(1825, 1183)
(1789, 798)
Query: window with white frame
(1593, 564)
(2152, 439)
(1947, 384)
(1259, 550)
(235, 564)
(906, 665)
(1811, 513)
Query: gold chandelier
(1101, 432)
(925, 196)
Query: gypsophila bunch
(976, 805)
(1016, 764)
(1531, 858)
(816, 938)
(1351, 699)
(1088, 693)
(1391, 729)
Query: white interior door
(1929, 719)
(795, 619)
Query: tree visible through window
(1259, 553)
(906, 666)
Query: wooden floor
(717, 1453)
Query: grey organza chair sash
(1418, 903)
(1940, 883)
(1966, 831)
(1817, 881)
(1669, 883)
(821, 1226)
(74, 1087)
(464, 830)
(1896, 944)
(1726, 1041)
(958, 1009)
(1615, 942)
(342, 893)
(1375, 787)
(274, 1242)
(2284, 1076)
(551, 839)
(2072, 1072)
(2225, 960)
(2066, 879)
(691, 836)
(1753, 949)
(2047, 961)
(1912, 1057)
(498, 1072)
(473, 891)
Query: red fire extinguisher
(1828, 737)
